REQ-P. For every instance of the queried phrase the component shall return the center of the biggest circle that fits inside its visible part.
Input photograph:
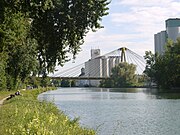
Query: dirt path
(1, 101)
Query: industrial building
(172, 32)
(98, 66)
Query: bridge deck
(80, 78)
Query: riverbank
(4, 94)
(26, 115)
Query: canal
(125, 111)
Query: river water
(134, 111)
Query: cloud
(130, 24)
(149, 13)
(109, 42)
(145, 3)
(144, 18)
(137, 25)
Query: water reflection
(120, 111)
(106, 93)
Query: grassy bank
(5, 93)
(25, 115)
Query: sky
(131, 24)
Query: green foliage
(38, 35)
(142, 80)
(25, 115)
(10, 82)
(5, 93)
(65, 83)
(3, 64)
(56, 83)
(73, 83)
(107, 83)
(61, 30)
(21, 49)
(165, 69)
(122, 75)
(33, 81)
(150, 61)
(45, 81)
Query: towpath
(1, 101)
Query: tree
(61, 29)
(165, 69)
(19, 47)
(73, 83)
(107, 83)
(172, 60)
(3, 64)
(122, 75)
(45, 82)
(56, 83)
(65, 83)
(38, 35)
(149, 69)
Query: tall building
(160, 41)
(172, 32)
(173, 28)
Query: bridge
(80, 78)
(99, 66)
